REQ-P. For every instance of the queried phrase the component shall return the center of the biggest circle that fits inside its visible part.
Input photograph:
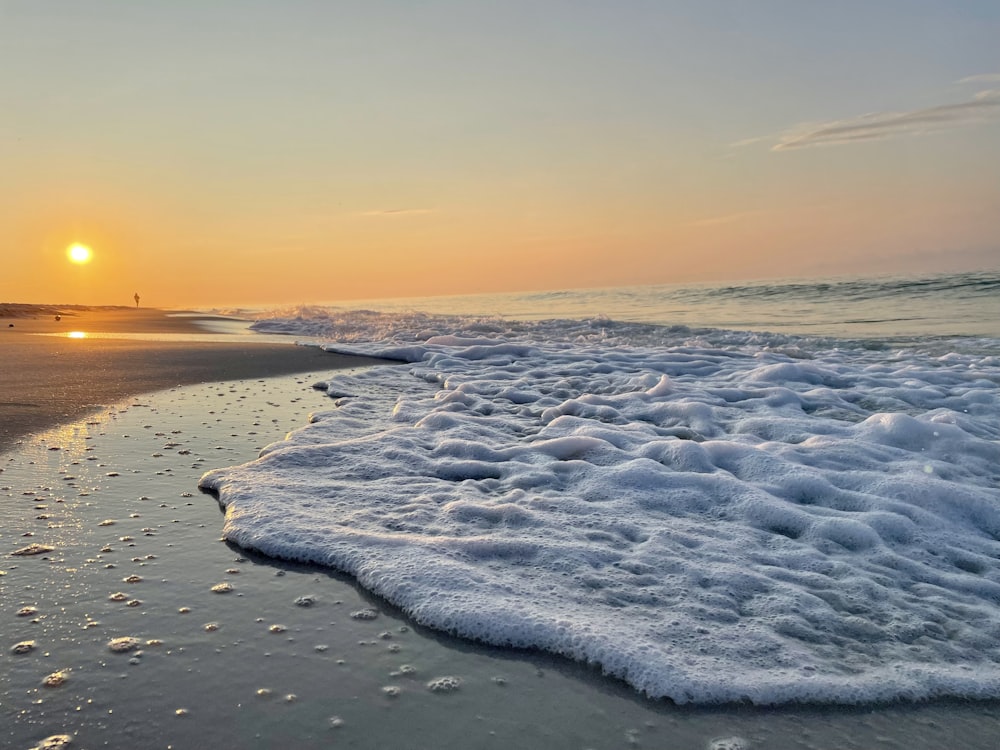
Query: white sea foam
(711, 516)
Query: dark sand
(46, 380)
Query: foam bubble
(55, 742)
(33, 549)
(729, 743)
(123, 644)
(56, 679)
(445, 684)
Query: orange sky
(253, 153)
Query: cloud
(880, 125)
(749, 141)
(398, 212)
(726, 219)
(982, 78)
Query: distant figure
(136, 298)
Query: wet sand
(296, 655)
(48, 379)
(293, 655)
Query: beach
(51, 377)
(240, 650)
(230, 647)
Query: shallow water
(139, 467)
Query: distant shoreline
(49, 379)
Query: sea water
(882, 308)
(770, 493)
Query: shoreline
(49, 378)
(298, 654)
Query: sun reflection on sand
(77, 334)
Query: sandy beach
(230, 648)
(48, 377)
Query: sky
(305, 151)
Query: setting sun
(79, 253)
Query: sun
(79, 253)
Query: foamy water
(709, 515)
(881, 308)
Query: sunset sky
(248, 152)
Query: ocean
(765, 493)
(877, 308)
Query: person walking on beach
(136, 298)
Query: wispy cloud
(712, 221)
(749, 141)
(398, 212)
(880, 125)
(982, 78)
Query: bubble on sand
(276, 628)
(24, 647)
(123, 644)
(291, 698)
(119, 596)
(222, 588)
(263, 692)
(729, 743)
(181, 712)
(392, 690)
(107, 522)
(55, 742)
(184, 610)
(321, 648)
(27, 611)
(154, 642)
(233, 571)
(446, 684)
(211, 627)
(32, 549)
(56, 679)
(133, 579)
(365, 614)
(133, 603)
(336, 722)
(405, 670)
(305, 601)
